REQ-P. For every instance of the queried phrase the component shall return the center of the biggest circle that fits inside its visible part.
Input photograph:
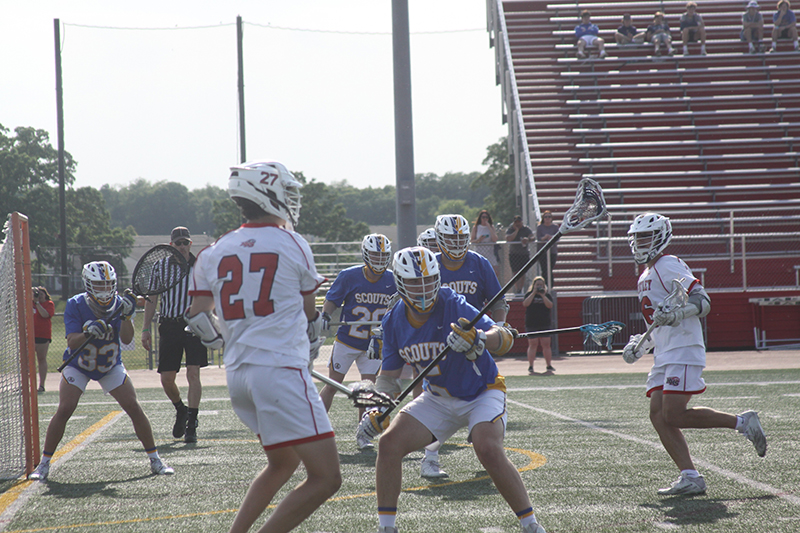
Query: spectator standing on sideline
(586, 34)
(627, 33)
(658, 33)
(785, 25)
(544, 232)
(91, 315)
(43, 311)
(753, 28)
(262, 281)
(693, 29)
(483, 237)
(519, 235)
(363, 292)
(174, 340)
(679, 356)
(538, 303)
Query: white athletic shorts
(444, 416)
(113, 378)
(343, 356)
(589, 39)
(676, 379)
(279, 404)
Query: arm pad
(699, 298)
(506, 339)
(205, 326)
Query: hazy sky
(162, 104)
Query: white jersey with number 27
(258, 275)
(682, 344)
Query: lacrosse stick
(361, 323)
(597, 332)
(158, 270)
(677, 298)
(362, 393)
(589, 206)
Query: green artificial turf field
(587, 452)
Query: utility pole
(239, 39)
(62, 187)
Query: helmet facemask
(648, 236)
(100, 284)
(452, 236)
(376, 250)
(427, 239)
(416, 275)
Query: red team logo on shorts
(248, 243)
(673, 381)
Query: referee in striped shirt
(173, 340)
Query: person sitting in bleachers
(785, 25)
(658, 34)
(753, 28)
(627, 34)
(693, 29)
(587, 34)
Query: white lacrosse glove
(630, 354)
(205, 326)
(369, 427)
(313, 331)
(326, 321)
(470, 342)
(668, 317)
(128, 305)
(375, 349)
(96, 328)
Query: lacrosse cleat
(191, 432)
(160, 468)
(430, 468)
(751, 428)
(41, 472)
(533, 527)
(686, 486)
(363, 442)
(387, 530)
(181, 413)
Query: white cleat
(387, 530)
(430, 468)
(751, 428)
(41, 472)
(685, 486)
(363, 443)
(533, 527)
(160, 468)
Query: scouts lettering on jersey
(372, 298)
(423, 351)
(463, 286)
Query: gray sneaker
(430, 468)
(160, 468)
(685, 486)
(751, 428)
(387, 530)
(41, 472)
(534, 527)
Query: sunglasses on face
(183, 242)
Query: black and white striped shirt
(176, 300)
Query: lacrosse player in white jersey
(464, 390)
(261, 279)
(364, 293)
(679, 356)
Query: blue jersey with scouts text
(454, 376)
(361, 300)
(100, 355)
(475, 280)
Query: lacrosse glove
(97, 329)
(128, 305)
(470, 342)
(375, 349)
(369, 427)
(326, 321)
(315, 341)
(630, 354)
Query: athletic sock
(152, 453)
(192, 413)
(178, 405)
(434, 455)
(690, 473)
(526, 517)
(387, 516)
(739, 424)
(46, 456)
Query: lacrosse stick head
(589, 205)
(364, 394)
(602, 333)
(678, 297)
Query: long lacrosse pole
(547, 332)
(336, 385)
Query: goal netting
(19, 417)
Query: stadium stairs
(697, 138)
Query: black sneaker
(180, 421)
(191, 431)
(550, 368)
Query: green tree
(226, 216)
(323, 215)
(499, 180)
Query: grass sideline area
(584, 445)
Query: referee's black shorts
(173, 340)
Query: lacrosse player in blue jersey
(464, 390)
(363, 292)
(472, 276)
(427, 239)
(92, 315)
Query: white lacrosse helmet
(452, 235)
(100, 283)
(376, 251)
(270, 185)
(416, 275)
(648, 235)
(427, 239)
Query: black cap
(180, 233)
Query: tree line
(102, 223)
